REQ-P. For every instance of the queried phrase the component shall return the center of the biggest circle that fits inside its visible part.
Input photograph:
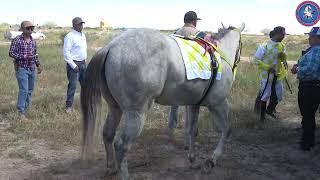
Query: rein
(238, 54)
(214, 70)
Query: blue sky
(159, 14)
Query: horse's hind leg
(130, 127)
(220, 116)
(109, 130)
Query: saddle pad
(197, 63)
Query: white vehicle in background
(12, 34)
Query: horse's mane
(222, 32)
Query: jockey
(271, 60)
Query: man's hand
(76, 69)
(294, 69)
(272, 70)
(39, 69)
(29, 57)
(282, 56)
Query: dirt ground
(259, 151)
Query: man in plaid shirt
(23, 50)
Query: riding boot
(263, 105)
(257, 104)
(271, 109)
(273, 100)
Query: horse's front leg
(191, 125)
(220, 116)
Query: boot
(273, 100)
(307, 141)
(271, 109)
(263, 105)
(257, 105)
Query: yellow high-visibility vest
(271, 60)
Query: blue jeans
(73, 78)
(26, 81)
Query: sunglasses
(29, 28)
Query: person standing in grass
(187, 30)
(270, 58)
(308, 70)
(75, 54)
(23, 50)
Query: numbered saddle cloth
(196, 60)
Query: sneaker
(68, 110)
(23, 117)
(273, 115)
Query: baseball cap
(190, 16)
(315, 31)
(25, 24)
(77, 20)
(279, 30)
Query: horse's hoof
(207, 166)
(191, 158)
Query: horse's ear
(242, 27)
(223, 25)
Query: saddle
(205, 40)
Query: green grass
(49, 122)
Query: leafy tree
(265, 31)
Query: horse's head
(229, 42)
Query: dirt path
(268, 151)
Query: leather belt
(79, 62)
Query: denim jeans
(73, 78)
(26, 81)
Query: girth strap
(214, 71)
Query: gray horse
(138, 67)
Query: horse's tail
(90, 98)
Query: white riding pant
(267, 92)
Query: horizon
(166, 15)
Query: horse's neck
(228, 46)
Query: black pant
(273, 102)
(309, 100)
